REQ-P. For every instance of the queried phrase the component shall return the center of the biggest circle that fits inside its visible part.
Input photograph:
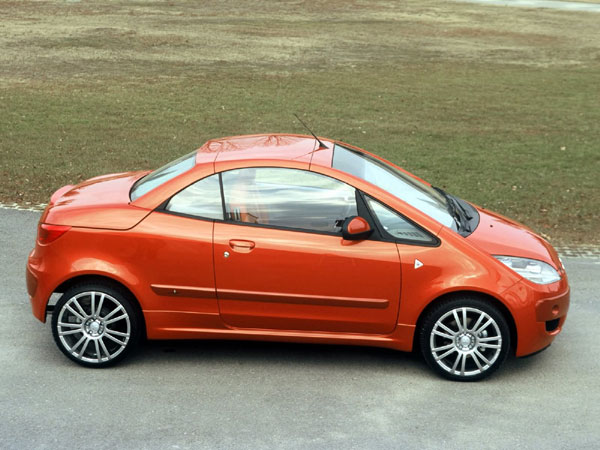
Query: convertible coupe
(291, 238)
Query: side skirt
(166, 325)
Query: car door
(281, 262)
(173, 249)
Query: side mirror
(355, 229)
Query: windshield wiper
(462, 208)
(450, 206)
(457, 210)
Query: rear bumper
(540, 314)
(37, 296)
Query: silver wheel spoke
(479, 319)
(79, 342)
(444, 327)
(445, 335)
(480, 329)
(112, 313)
(93, 304)
(116, 319)
(444, 347)
(97, 350)
(474, 356)
(483, 358)
(456, 361)
(114, 339)
(455, 314)
(78, 306)
(446, 354)
(66, 333)
(69, 325)
(488, 339)
(115, 333)
(99, 308)
(75, 313)
(490, 345)
(463, 364)
(84, 346)
(104, 349)
(464, 314)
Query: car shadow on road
(532, 365)
(294, 356)
(275, 353)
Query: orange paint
(196, 278)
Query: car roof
(272, 146)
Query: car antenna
(321, 145)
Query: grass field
(498, 105)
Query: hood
(100, 202)
(498, 235)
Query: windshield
(162, 175)
(397, 183)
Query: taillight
(50, 233)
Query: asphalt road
(253, 395)
(551, 4)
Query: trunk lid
(100, 202)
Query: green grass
(516, 132)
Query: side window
(396, 225)
(201, 199)
(287, 198)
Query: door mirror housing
(356, 228)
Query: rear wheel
(465, 339)
(95, 325)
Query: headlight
(537, 271)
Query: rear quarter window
(162, 175)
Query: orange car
(290, 238)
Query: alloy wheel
(465, 338)
(93, 327)
(465, 341)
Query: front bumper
(539, 312)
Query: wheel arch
(474, 294)
(98, 278)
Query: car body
(288, 238)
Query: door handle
(241, 245)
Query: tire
(464, 353)
(96, 324)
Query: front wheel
(464, 339)
(95, 325)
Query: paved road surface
(252, 395)
(551, 4)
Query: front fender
(455, 265)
